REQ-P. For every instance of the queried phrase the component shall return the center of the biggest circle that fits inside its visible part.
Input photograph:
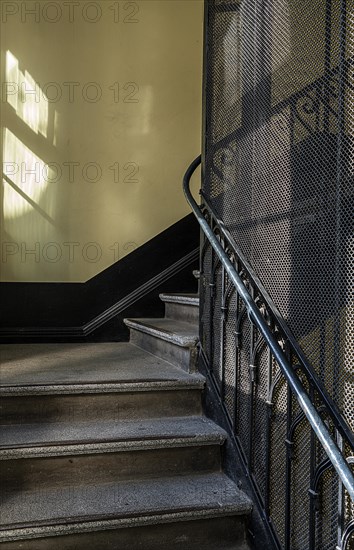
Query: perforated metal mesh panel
(278, 171)
(279, 164)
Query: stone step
(73, 465)
(182, 307)
(118, 404)
(220, 533)
(106, 445)
(173, 340)
(48, 456)
(42, 474)
(52, 383)
(100, 365)
(52, 439)
(68, 510)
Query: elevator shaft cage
(277, 170)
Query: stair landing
(54, 364)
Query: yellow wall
(154, 52)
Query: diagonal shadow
(29, 200)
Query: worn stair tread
(174, 331)
(133, 502)
(218, 533)
(52, 439)
(184, 299)
(98, 366)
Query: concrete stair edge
(217, 493)
(18, 534)
(183, 299)
(151, 328)
(209, 433)
(196, 381)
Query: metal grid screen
(278, 171)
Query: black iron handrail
(318, 426)
(331, 407)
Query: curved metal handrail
(330, 405)
(315, 420)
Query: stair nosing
(162, 334)
(222, 504)
(195, 382)
(89, 526)
(179, 299)
(154, 432)
(12, 452)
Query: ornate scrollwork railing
(296, 445)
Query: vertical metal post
(289, 457)
(222, 332)
(237, 357)
(313, 504)
(211, 312)
(268, 437)
(251, 404)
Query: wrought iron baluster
(222, 330)
(252, 369)
(211, 311)
(203, 245)
(237, 335)
(274, 330)
(288, 466)
(268, 434)
(347, 536)
(314, 503)
(340, 513)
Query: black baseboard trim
(141, 291)
(94, 311)
(108, 314)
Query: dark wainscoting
(94, 310)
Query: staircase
(105, 446)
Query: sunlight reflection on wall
(25, 175)
(26, 97)
(147, 120)
(28, 176)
